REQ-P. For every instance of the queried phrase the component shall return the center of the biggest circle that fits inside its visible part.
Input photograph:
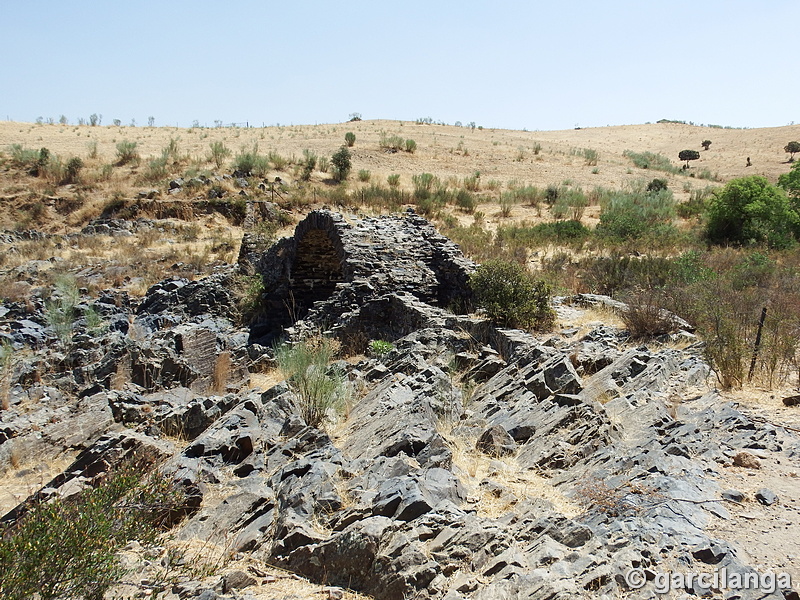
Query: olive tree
(688, 155)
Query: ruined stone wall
(303, 275)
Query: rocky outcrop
(473, 461)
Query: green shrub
(650, 160)
(364, 175)
(309, 164)
(155, 171)
(391, 142)
(630, 215)
(466, 201)
(380, 348)
(424, 184)
(251, 163)
(127, 152)
(750, 210)
(411, 146)
(590, 156)
(559, 232)
(73, 170)
(318, 387)
(218, 154)
(341, 163)
(67, 547)
(706, 144)
(60, 309)
(791, 183)
(657, 185)
(511, 296)
(393, 180)
(278, 162)
(473, 182)
(350, 138)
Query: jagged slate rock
(766, 497)
(207, 595)
(733, 495)
(189, 420)
(791, 400)
(231, 439)
(109, 451)
(237, 580)
(485, 369)
(399, 415)
(347, 558)
(86, 423)
(248, 516)
(406, 498)
(176, 183)
(496, 441)
(711, 553)
(128, 407)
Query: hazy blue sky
(509, 64)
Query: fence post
(757, 345)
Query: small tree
(706, 144)
(350, 138)
(342, 164)
(792, 148)
(511, 296)
(688, 155)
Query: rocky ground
(472, 461)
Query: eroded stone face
(305, 275)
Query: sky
(503, 64)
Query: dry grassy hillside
(502, 157)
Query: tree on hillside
(791, 183)
(792, 148)
(750, 210)
(706, 144)
(688, 155)
(342, 164)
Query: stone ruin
(335, 266)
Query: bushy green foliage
(127, 152)
(73, 170)
(750, 210)
(66, 548)
(350, 138)
(341, 163)
(688, 155)
(391, 142)
(511, 296)
(631, 215)
(559, 232)
(308, 165)
(657, 185)
(650, 160)
(380, 348)
(219, 152)
(250, 162)
(792, 148)
(411, 146)
(393, 180)
(791, 183)
(364, 175)
(318, 386)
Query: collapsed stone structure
(419, 494)
(334, 265)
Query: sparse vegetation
(350, 138)
(127, 152)
(320, 388)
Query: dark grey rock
(496, 441)
(766, 497)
